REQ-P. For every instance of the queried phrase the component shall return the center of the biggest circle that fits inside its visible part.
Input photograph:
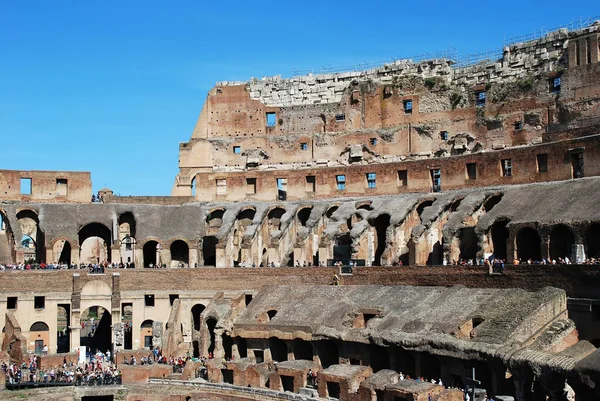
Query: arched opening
(423, 205)
(246, 216)
(62, 252)
(381, 224)
(499, 237)
(431, 368)
(592, 240)
(127, 225)
(274, 218)
(211, 323)
(193, 186)
(146, 333)
(342, 250)
(328, 353)
(528, 244)
(468, 243)
(96, 329)
(242, 347)
(302, 349)
(303, 215)
(39, 335)
(94, 242)
(29, 249)
(454, 206)
(32, 236)
(62, 328)
(379, 358)
(278, 349)
(214, 219)
(209, 250)
(196, 312)
(492, 201)
(331, 211)
(561, 242)
(151, 254)
(180, 254)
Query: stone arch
(381, 224)
(304, 214)
(561, 242)
(331, 211)
(302, 349)
(29, 224)
(274, 217)
(197, 310)
(96, 335)
(422, 205)
(146, 332)
(95, 288)
(127, 225)
(209, 250)
(98, 249)
(39, 335)
(492, 201)
(592, 240)
(39, 326)
(365, 205)
(278, 349)
(180, 253)
(528, 244)
(151, 253)
(61, 249)
(214, 218)
(246, 214)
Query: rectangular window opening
(373, 141)
(371, 180)
(577, 164)
(311, 183)
(554, 85)
(340, 117)
(444, 135)
(281, 189)
(62, 185)
(149, 300)
(172, 298)
(39, 302)
(542, 163)
(237, 150)
(480, 98)
(271, 119)
(259, 354)
(402, 178)
(436, 180)
(25, 186)
(304, 146)
(408, 106)
(471, 171)
(506, 168)
(341, 182)
(11, 302)
(518, 125)
(250, 185)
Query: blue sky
(112, 87)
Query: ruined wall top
(513, 62)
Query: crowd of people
(91, 267)
(97, 372)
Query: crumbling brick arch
(179, 249)
(274, 217)
(151, 250)
(29, 223)
(95, 230)
(303, 214)
(61, 249)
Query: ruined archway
(381, 224)
(29, 249)
(62, 251)
(468, 243)
(303, 215)
(528, 244)
(499, 234)
(32, 241)
(592, 240)
(492, 201)
(562, 240)
(151, 254)
(180, 253)
(274, 218)
(211, 323)
(96, 332)
(94, 243)
(196, 312)
(421, 207)
(302, 349)
(209, 250)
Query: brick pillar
(193, 257)
(594, 49)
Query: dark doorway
(328, 353)
(303, 215)
(209, 250)
(499, 237)
(196, 312)
(404, 361)
(126, 319)
(278, 349)
(381, 224)
(96, 230)
(468, 243)
(65, 254)
(150, 250)
(561, 242)
(491, 202)
(431, 368)
(211, 323)
(342, 250)
(97, 398)
(302, 349)
(592, 239)
(227, 346)
(242, 347)
(333, 390)
(180, 253)
(380, 358)
(63, 314)
(436, 256)
(96, 334)
(287, 382)
(528, 244)
(227, 376)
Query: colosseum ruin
(399, 233)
